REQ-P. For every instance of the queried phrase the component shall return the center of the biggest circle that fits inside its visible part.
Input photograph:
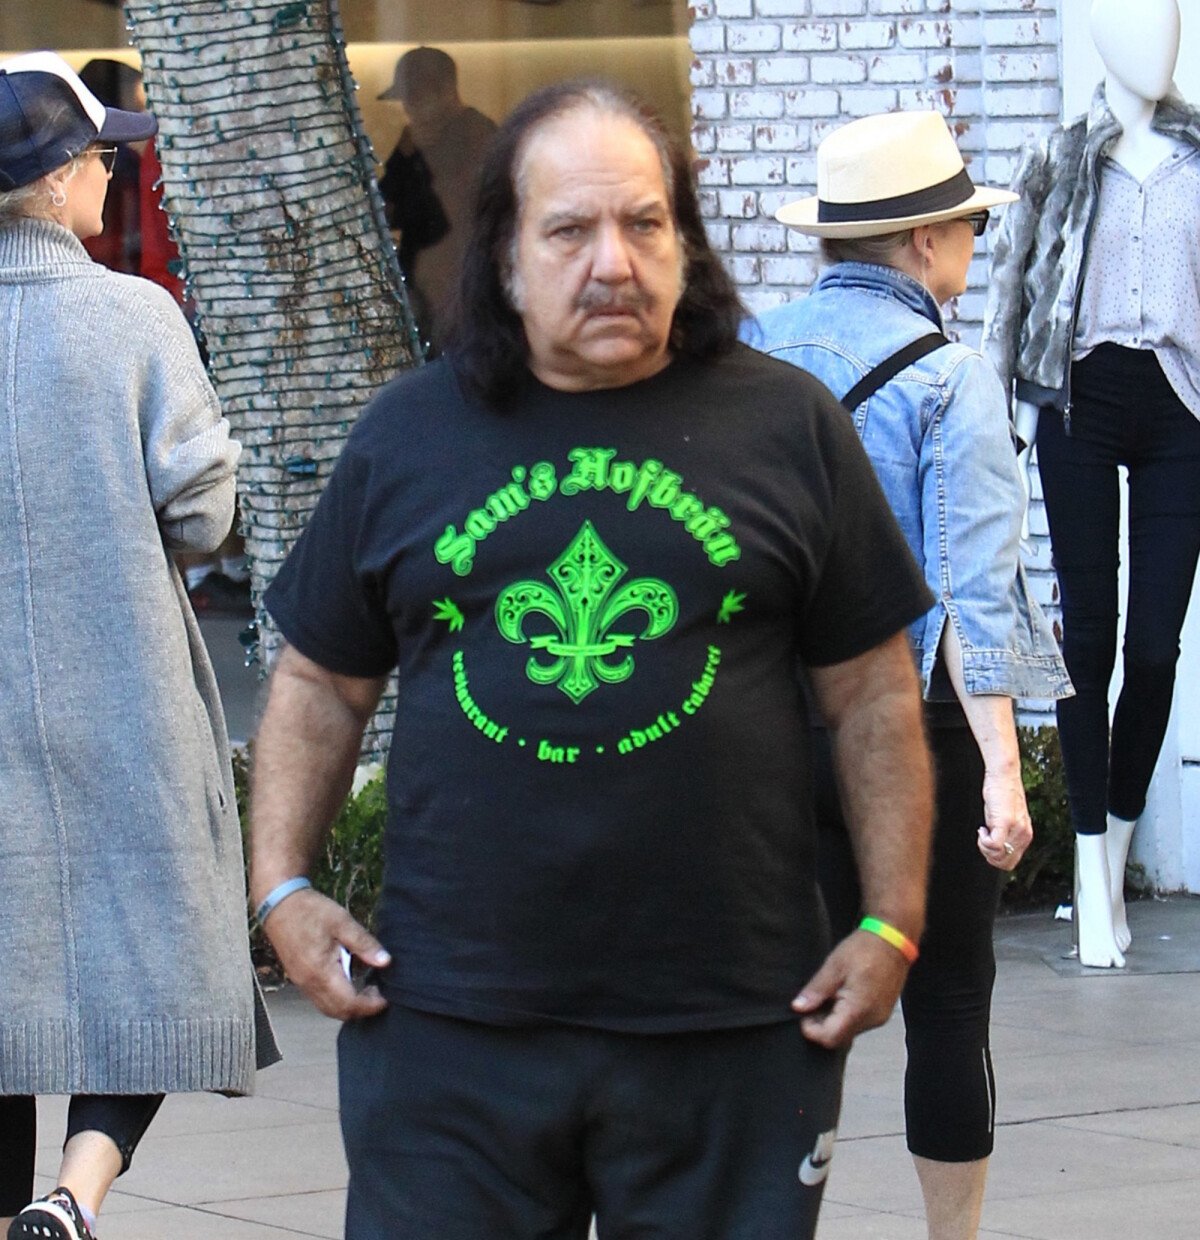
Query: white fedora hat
(886, 173)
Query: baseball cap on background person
(887, 173)
(48, 116)
(421, 70)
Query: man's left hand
(854, 990)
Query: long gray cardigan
(1041, 247)
(124, 965)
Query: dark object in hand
(412, 203)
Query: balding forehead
(575, 114)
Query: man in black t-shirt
(594, 542)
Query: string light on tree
(269, 188)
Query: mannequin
(1139, 45)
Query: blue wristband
(276, 894)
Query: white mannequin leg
(1116, 843)
(1093, 905)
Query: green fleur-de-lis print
(584, 607)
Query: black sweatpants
(457, 1130)
(1124, 412)
(949, 1089)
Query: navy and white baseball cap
(48, 116)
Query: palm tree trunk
(269, 184)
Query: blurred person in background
(429, 179)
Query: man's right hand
(307, 749)
(306, 931)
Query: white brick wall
(772, 77)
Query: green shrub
(1046, 872)
(350, 868)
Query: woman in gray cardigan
(124, 966)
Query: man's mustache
(607, 301)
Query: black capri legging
(949, 1089)
(124, 1118)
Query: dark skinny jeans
(1124, 412)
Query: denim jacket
(938, 436)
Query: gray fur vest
(1038, 260)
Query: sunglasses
(108, 156)
(978, 221)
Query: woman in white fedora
(898, 216)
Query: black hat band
(944, 196)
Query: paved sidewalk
(1099, 1114)
(1098, 1096)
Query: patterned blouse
(1141, 287)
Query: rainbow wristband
(889, 934)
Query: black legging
(949, 1089)
(1124, 412)
(18, 1144)
(124, 1118)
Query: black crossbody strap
(890, 367)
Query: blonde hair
(32, 201)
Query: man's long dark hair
(487, 340)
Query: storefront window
(428, 142)
(503, 48)
(500, 51)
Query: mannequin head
(1138, 40)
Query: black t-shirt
(598, 788)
